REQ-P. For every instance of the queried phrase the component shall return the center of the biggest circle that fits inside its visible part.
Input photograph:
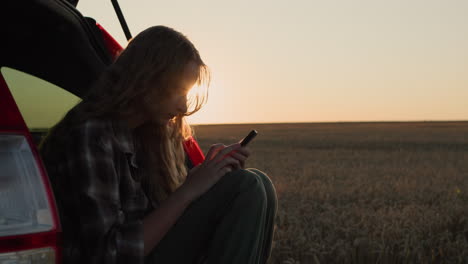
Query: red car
(50, 54)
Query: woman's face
(175, 103)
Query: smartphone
(249, 138)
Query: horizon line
(332, 122)
(306, 122)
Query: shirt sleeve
(105, 236)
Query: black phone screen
(249, 138)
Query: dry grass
(363, 192)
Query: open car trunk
(50, 39)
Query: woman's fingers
(214, 149)
(227, 162)
(232, 156)
(244, 151)
(241, 158)
(238, 156)
(225, 170)
(222, 153)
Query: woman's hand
(217, 163)
(241, 155)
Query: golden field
(362, 192)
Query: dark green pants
(233, 222)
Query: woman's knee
(269, 186)
(248, 182)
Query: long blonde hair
(147, 65)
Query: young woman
(117, 166)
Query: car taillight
(23, 202)
(29, 225)
(33, 256)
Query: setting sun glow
(316, 61)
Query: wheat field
(362, 192)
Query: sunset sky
(315, 61)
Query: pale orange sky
(314, 61)
(276, 61)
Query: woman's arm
(200, 179)
(160, 221)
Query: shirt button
(121, 217)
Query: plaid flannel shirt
(100, 200)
